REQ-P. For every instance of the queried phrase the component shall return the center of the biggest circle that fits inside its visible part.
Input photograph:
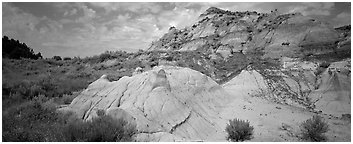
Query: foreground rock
(166, 104)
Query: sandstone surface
(166, 104)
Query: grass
(33, 88)
(37, 121)
(101, 129)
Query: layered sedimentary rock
(166, 104)
(333, 93)
(300, 84)
(276, 34)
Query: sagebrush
(38, 121)
(101, 129)
(314, 128)
(239, 130)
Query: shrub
(101, 129)
(37, 120)
(113, 77)
(239, 130)
(57, 58)
(324, 64)
(67, 58)
(31, 121)
(313, 129)
(67, 99)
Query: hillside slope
(225, 32)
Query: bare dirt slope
(333, 96)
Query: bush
(113, 77)
(313, 129)
(31, 121)
(67, 58)
(239, 130)
(57, 58)
(101, 129)
(37, 121)
(324, 64)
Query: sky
(91, 28)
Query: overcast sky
(86, 29)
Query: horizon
(87, 29)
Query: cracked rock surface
(166, 104)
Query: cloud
(147, 7)
(318, 8)
(91, 28)
(341, 19)
(71, 12)
(88, 13)
(14, 18)
(343, 15)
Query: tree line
(14, 49)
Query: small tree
(239, 130)
(313, 129)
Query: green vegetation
(33, 120)
(37, 121)
(239, 130)
(57, 58)
(15, 50)
(32, 89)
(101, 129)
(313, 129)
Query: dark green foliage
(101, 129)
(37, 120)
(29, 118)
(313, 129)
(67, 58)
(324, 64)
(45, 85)
(31, 121)
(14, 49)
(67, 99)
(239, 130)
(57, 58)
(108, 55)
(113, 77)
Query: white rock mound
(248, 82)
(166, 104)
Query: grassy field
(32, 90)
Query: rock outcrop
(300, 85)
(276, 34)
(166, 104)
(333, 93)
